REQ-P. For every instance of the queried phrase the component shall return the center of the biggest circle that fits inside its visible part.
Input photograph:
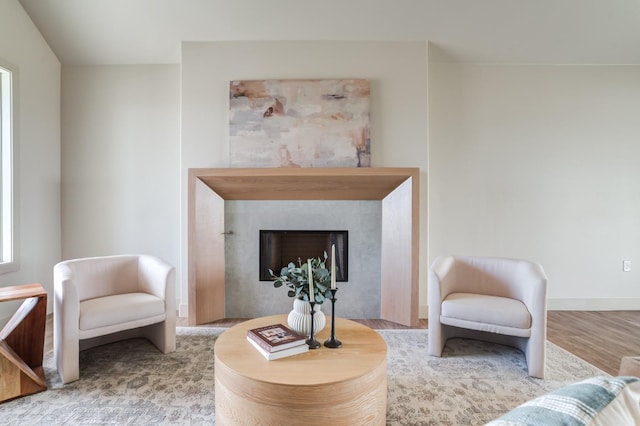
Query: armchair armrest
(532, 283)
(153, 275)
(441, 278)
(157, 277)
(64, 289)
(66, 313)
(443, 273)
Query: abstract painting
(299, 123)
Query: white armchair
(492, 299)
(100, 300)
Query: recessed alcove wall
(248, 297)
(396, 188)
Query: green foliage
(296, 278)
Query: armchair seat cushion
(119, 310)
(486, 313)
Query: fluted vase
(299, 319)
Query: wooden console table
(345, 386)
(22, 342)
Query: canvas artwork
(299, 123)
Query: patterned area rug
(130, 382)
(474, 382)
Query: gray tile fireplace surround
(246, 296)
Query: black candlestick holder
(332, 342)
(311, 341)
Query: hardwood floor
(601, 338)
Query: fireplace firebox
(280, 247)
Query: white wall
(120, 161)
(540, 162)
(37, 138)
(398, 74)
(525, 161)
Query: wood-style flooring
(601, 338)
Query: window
(7, 93)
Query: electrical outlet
(626, 266)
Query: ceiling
(92, 32)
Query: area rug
(132, 383)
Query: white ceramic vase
(299, 319)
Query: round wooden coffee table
(344, 386)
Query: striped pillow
(580, 404)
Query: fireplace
(280, 247)
(212, 190)
(302, 225)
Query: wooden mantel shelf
(396, 187)
(304, 183)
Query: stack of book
(276, 341)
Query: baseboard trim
(622, 304)
(423, 311)
(183, 310)
(552, 305)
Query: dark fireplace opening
(278, 248)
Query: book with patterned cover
(300, 349)
(275, 337)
